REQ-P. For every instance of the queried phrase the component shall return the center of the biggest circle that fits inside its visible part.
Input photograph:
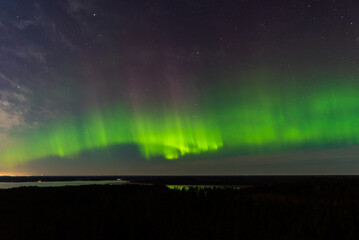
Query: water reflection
(6, 185)
(209, 187)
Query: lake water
(187, 187)
(6, 185)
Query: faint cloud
(13, 103)
(76, 6)
(80, 11)
(9, 118)
(27, 53)
(21, 25)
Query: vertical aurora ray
(274, 117)
(173, 135)
(170, 136)
(244, 119)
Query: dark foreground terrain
(294, 208)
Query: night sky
(179, 87)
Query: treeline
(300, 210)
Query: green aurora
(268, 115)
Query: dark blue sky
(63, 60)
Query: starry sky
(179, 87)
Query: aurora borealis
(254, 122)
(137, 87)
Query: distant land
(194, 180)
(273, 207)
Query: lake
(187, 187)
(6, 185)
